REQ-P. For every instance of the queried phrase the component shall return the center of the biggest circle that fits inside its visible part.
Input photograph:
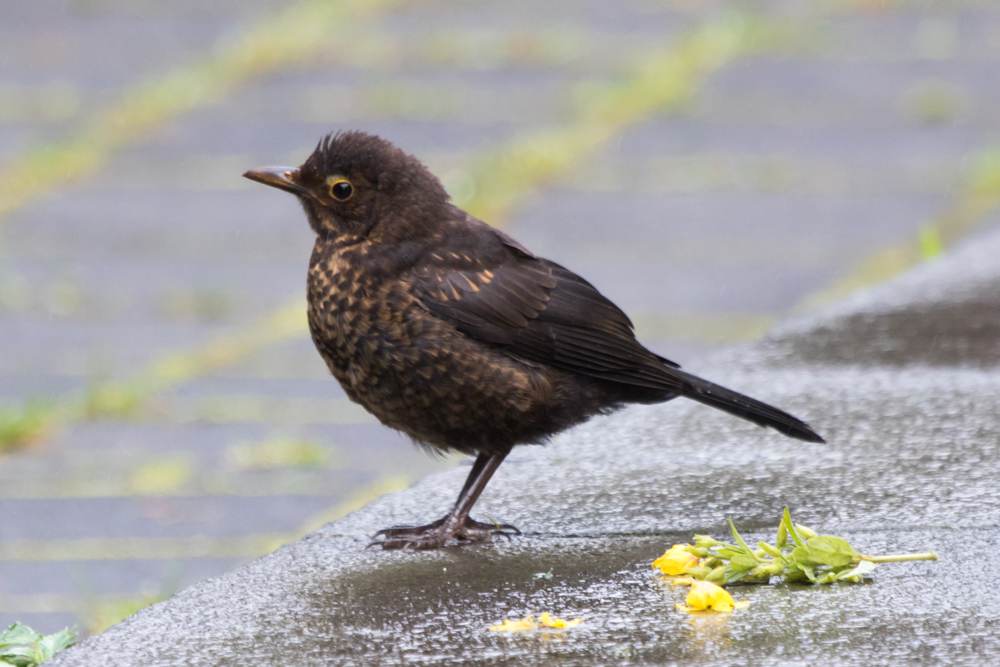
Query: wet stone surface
(910, 465)
(954, 322)
(435, 609)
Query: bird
(452, 332)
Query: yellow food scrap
(529, 623)
(676, 560)
(706, 595)
(549, 622)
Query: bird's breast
(359, 322)
(413, 371)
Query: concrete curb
(911, 464)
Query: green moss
(161, 477)
(20, 426)
(280, 452)
(112, 400)
(290, 38)
(664, 82)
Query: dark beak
(283, 178)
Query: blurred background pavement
(712, 167)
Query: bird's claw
(436, 535)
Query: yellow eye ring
(340, 188)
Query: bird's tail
(743, 406)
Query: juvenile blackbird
(457, 335)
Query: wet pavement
(708, 222)
(910, 465)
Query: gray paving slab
(297, 388)
(874, 89)
(110, 577)
(216, 459)
(90, 51)
(14, 140)
(157, 280)
(14, 388)
(101, 222)
(772, 218)
(632, 16)
(83, 583)
(46, 519)
(910, 465)
(886, 145)
(60, 39)
(90, 349)
(669, 253)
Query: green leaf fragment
(17, 634)
(772, 568)
(769, 550)
(705, 541)
(829, 550)
(804, 531)
(52, 644)
(782, 538)
(800, 556)
(786, 520)
(793, 575)
(716, 576)
(860, 570)
(742, 562)
(739, 540)
(21, 646)
(828, 578)
(736, 576)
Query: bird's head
(359, 184)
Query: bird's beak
(283, 178)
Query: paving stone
(664, 253)
(222, 516)
(110, 577)
(889, 147)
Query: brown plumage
(455, 334)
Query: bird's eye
(341, 189)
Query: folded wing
(539, 311)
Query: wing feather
(542, 312)
(538, 311)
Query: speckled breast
(358, 336)
(412, 371)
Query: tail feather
(737, 404)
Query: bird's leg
(457, 524)
(477, 468)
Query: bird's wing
(538, 311)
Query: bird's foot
(436, 535)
